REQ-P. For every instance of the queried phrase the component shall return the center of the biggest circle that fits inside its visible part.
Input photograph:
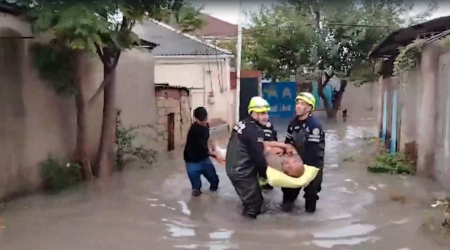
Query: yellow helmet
(258, 104)
(308, 98)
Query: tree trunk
(107, 145)
(340, 95)
(332, 114)
(320, 86)
(81, 155)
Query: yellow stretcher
(277, 178)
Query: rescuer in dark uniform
(270, 134)
(245, 158)
(307, 137)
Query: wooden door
(171, 132)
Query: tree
(282, 41)
(56, 64)
(311, 36)
(105, 27)
(246, 54)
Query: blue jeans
(205, 168)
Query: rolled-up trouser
(248, 189)
(311, 191)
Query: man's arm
(274, 161)
(254, 140)
(315, 148)
(275, 144)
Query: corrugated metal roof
(402, 37)
(213, 27)
(174, 43)
(159, 86)
(10, 8)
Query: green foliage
(246, 53)
(76, 25)
(126, 150)
(392, 163)
(364, 73)
(104, 27)
(282, 41)
(188, 18)
(386, 162)
(408, 56)
(299, 35)
(56, 65)
(57, 175)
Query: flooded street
(151, 208)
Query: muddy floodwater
(151, 208)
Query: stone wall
(173, 100)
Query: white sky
(228, 11)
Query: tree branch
(99, 90)
(124, 24)
(116, 58)
(100, 53)
(113, 63)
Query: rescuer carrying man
(307, 137)
(245, 159)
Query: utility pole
(238, 61)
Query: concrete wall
(442, 144)
(206, 77)
(410, 104)
(36, 122)
(363, 101)
(424, 108)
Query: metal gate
(249, 89)
(281, 96)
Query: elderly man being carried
(281, 158)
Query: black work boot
(248, 214)
(266, 187)
(287, 206)
(310, 206)
(196, 192)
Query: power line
(272, 27)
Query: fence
(281, 96)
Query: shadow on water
(151, 208)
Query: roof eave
(212, 57)
(380, 50)
(10, 8)
(224, 51)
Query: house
(35, 122)
(220, 33)
(415, 116)
(213, 30)
(204, 69)
(216, 30)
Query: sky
(229, 11)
